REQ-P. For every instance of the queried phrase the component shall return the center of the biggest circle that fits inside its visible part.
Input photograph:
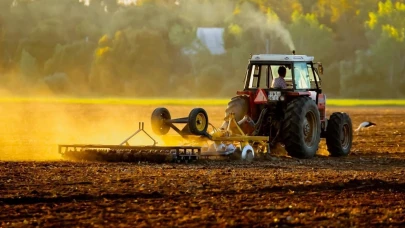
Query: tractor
(294, 116)
(256, 120)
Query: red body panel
(289, 95)
(322, 106)
(297, 94)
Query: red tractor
(294, 116)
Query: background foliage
(149, 48)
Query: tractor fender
(312, 95)
(245, 151)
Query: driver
(279, 83)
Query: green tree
(346, 19)
(279, 7)
(29, 67)
(72, 59)
(4, 16)
(311, 37)
(210, 82)
(382, 66)
(133, 61)
(43, 39)
(315, 39)
(153, 43)
(44, 24)
(2, 47)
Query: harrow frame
(225, 142)
(178, 153)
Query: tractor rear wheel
(339, 134)
(198, 121)
(301, 130)
(159, 116)
(238, 105)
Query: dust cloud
(270, 26)
(282, 33)
(33, 131)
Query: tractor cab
(301, 73)
(301, 79)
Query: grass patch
(359, 102)
(117, 101)
(182, 102)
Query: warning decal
(260, 97)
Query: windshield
(288, 75)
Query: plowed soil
(367, 188)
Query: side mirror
(320, 68)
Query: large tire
(158, 118)
(238, 105)
(301, 128)
(198, 121)
(339, 134)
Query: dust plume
(282, 33)
(33, 131)
(270, 26)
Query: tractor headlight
(281, 98)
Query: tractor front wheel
(159, 117)
(339, 134)
(301, 128)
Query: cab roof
(282, 58)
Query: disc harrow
(111, 153)
(126, 153)
(231, 142)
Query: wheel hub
(161, 121)
(344, 136)
(307, 128)
(200, 122)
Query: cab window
(258, 76)
(288, 75)
(301, 76)
(312, 76)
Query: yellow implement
(234, 141)
(228, 135)
(221, 142)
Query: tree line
(150, 47)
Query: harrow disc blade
(121, 156)
(129, 154)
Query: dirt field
(365, 189)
